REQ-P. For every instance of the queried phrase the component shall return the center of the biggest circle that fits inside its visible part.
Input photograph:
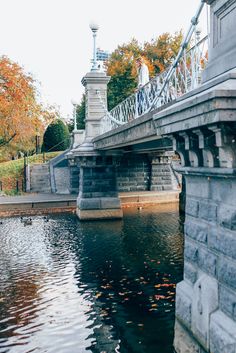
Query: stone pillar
(206, 298)
(98, 196)
(222, 51)
(77, 138)
(95, 84)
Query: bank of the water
(36, 204)
(69, 287)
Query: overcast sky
(52, 40)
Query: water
(72, 287)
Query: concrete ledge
(51, 203)
(91, 215)
(35, 212)
(99, 203)
(148, 198)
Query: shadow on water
(68, 286)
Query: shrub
(56, 137)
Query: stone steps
(40, 178)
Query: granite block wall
(206, 299)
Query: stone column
(222, 51)
(95, 84)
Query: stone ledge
(90, 215)
(216, 172)
(101, 203)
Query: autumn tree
(161, 52)
(158, 55)
(21, 117)
(122, 71)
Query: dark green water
(72, 287)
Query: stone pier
(202, 126)
(98, 196)
(95, 171)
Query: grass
(13, 171)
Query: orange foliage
(20, 114)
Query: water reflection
(95, 287)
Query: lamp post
(94, 28)
(74, 113)
(37, 143)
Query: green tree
(80, 114)
(56, 136)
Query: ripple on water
(95, 287)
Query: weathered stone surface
(110, 202)
(208, 211)
(204, 303)
(223, 241)
(184, 293)
(222, 334)
(222, 52)
(190, 250)
(86, 215)
(223, 192)
(227, 301)
(192, 207)
(89, 203)
(207, 261)
(196, 230)
(227, 272)
(190, 272)
(227, 216)
(133, 173)
(183, 342)
(192, 187)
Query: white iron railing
(181, 77)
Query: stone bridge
(200, 127)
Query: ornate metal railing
(181, 77)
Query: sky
(52, 40)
